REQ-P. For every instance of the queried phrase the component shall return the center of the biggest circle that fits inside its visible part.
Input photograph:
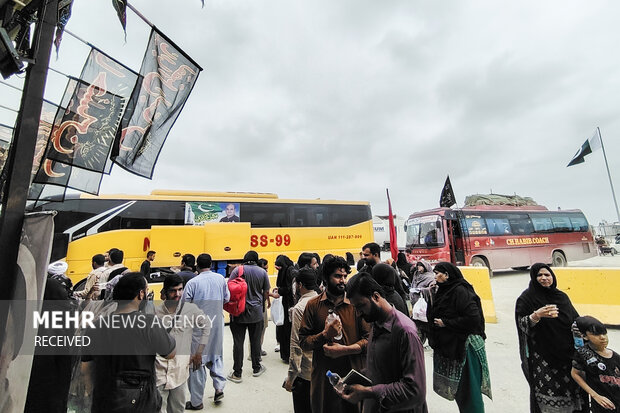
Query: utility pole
(19, 162)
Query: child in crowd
(596, 368)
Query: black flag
(447, 195)
(64, 13)
(167, 78)
(48, 171)
(121, 11)
(86, 128)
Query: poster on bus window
(197, 213)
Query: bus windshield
(425, 232)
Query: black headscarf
(455, 279)
(284, 282)
(283, 262)
(552, 337)
(403, 265)
(458, 306)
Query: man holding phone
(394, 355)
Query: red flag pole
(393, 244)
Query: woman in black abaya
(460, 368)
(284, 282)
(544, 316)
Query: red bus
(500, 236)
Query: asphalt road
(510, 390)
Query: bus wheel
(558, 259)
(79, 286)
(480, 262)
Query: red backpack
(238, 289)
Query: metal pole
(140, 15)
(613, 193)
(21, 155)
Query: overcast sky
(342, 99)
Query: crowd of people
(369, 327)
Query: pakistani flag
(587, 148)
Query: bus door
(455, 239)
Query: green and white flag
(587, 148)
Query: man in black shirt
(145, 268)
(123, 349)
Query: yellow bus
(224, 224)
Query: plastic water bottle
(577, 338)
(578, 342)
(335, 381)
(331, 316)
(584, 352)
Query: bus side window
(318, 216)
(521, 224)
(561, 223)
(579, 223)
(280, 219)
(542, 224)
(265, 215)
(300, 216)
(498, 226)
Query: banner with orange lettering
(167, 77)
(77, 151)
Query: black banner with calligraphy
(47, 171)
(74, 143)
(111, 75)
(167, 78)
(46, 124)
(86, 130)
(447, 198)
(36, 191)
